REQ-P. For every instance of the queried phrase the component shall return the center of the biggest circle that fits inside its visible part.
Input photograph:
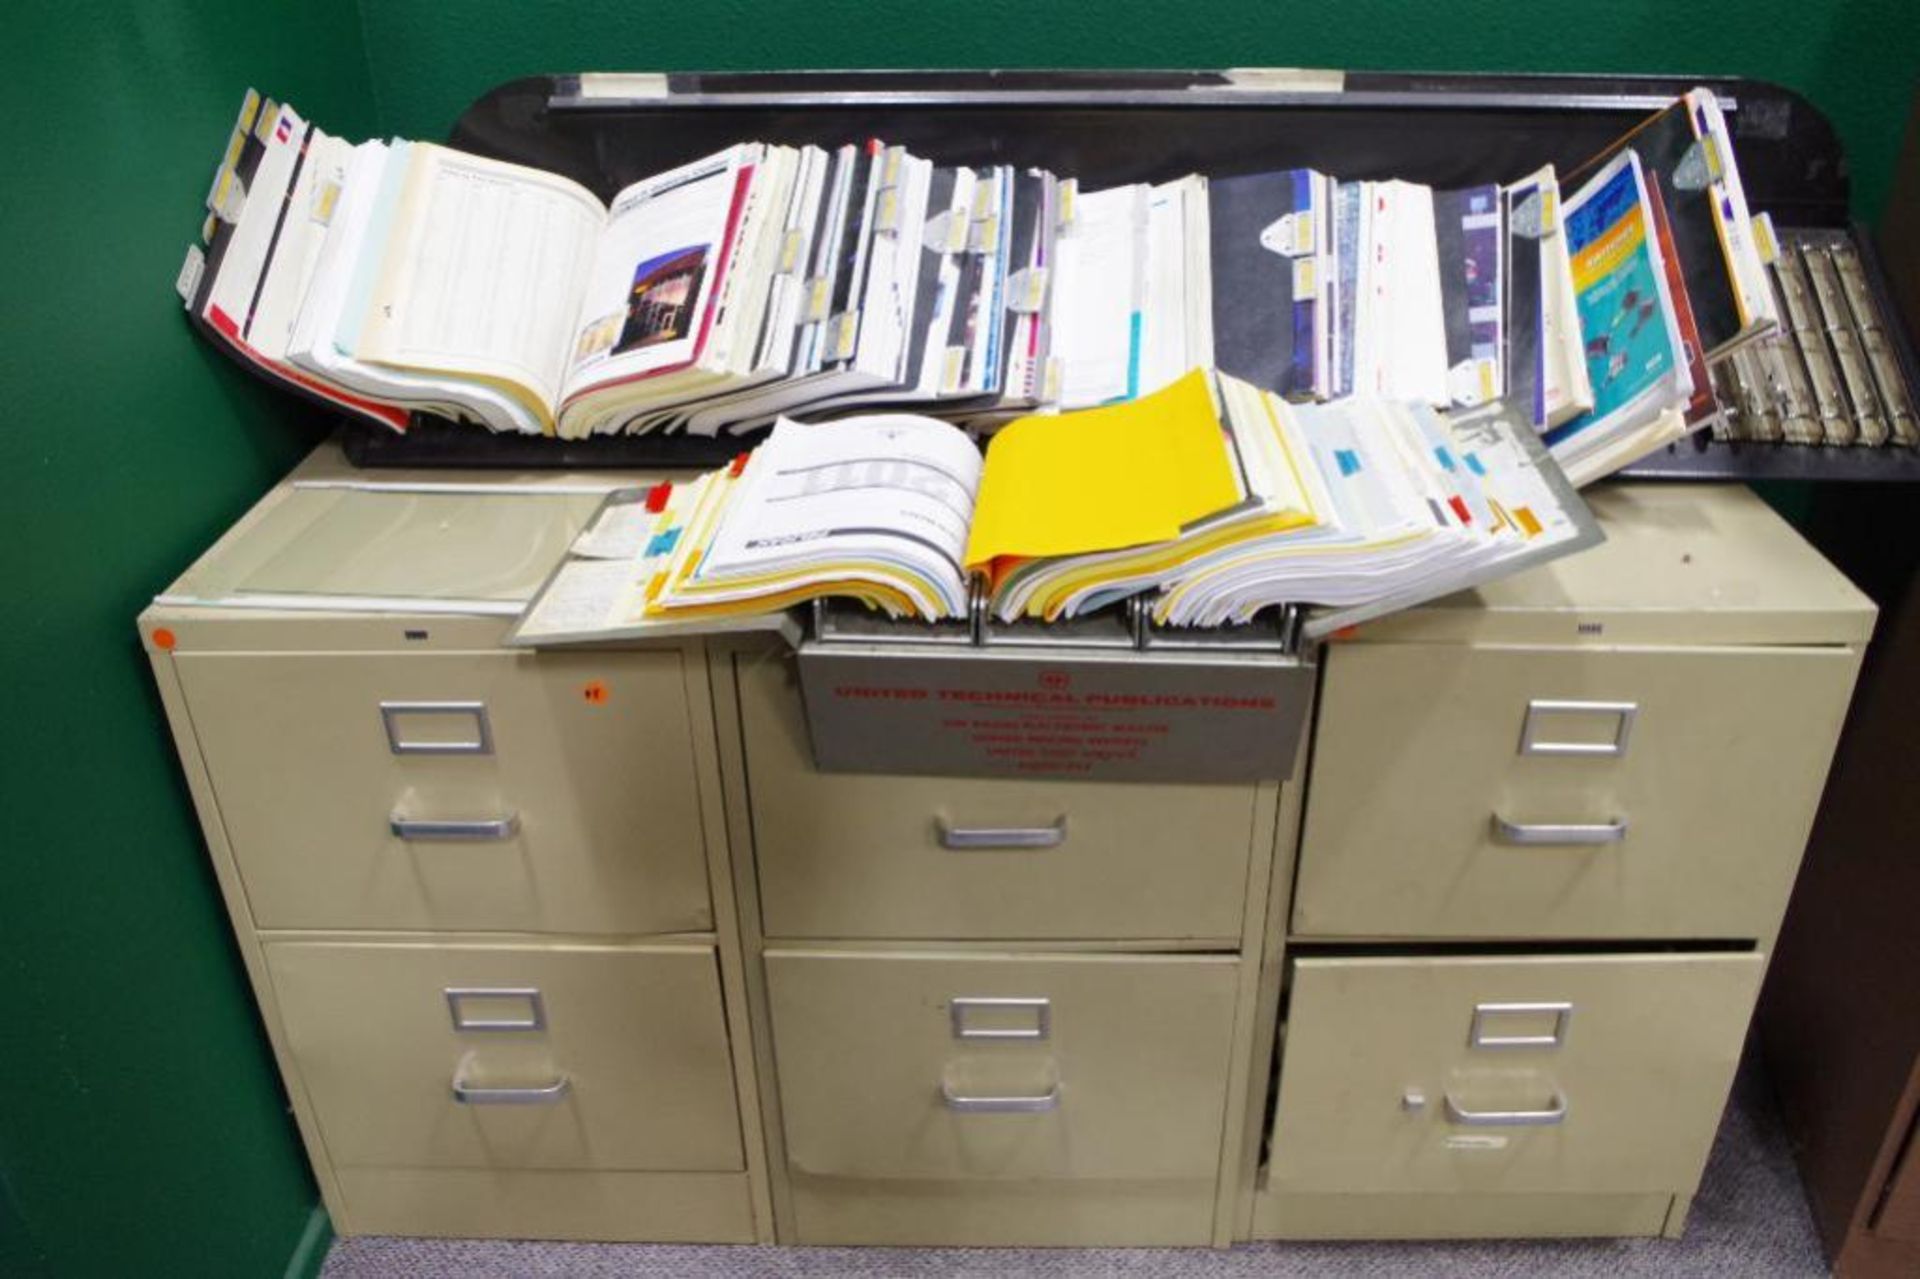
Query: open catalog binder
(1365, 521)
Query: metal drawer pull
(962, 839)
(480, 744)
(959, 1007)
(1555, 1112)
(1539, 707)
(535, 1019)
(1048, 1100)
(1555, 833)
(1477, 1036)
(483, 828)
(536, 1095)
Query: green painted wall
(142, 1129)
(1856, 59)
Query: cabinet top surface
(333, 540)
(1682, 564)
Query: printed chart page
(482, 272)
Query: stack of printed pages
(1211, 499)
(770, 282)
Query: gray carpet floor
(1749, 1221)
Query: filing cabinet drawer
(512, 1057)
(917, 1088)
(1591, 1074)
(861, 856)
(1525, 792)
(482, 791)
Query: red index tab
(657, 497)
(739, 465)
(1460, 509)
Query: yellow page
(1101, 479)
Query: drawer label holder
(1103, 698)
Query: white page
(1197, 225)
(785, 307)
(1567, 388)
(313, 345)
(623, 530)
(245, 257)
(839, 196)
(954, 224)
(890, 486)
(585, 595)
(296, 251)
(893, 274)
(994, 233)
(1163, 353)
(1416, 362)
(745, 285)
(1099, 286)
(482, 271)
(1375, 300)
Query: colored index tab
(1347, 460)
(1446, 457)
(657, 497)
(249, 109)
(738, 465)
(663, 543)
(1475, 465)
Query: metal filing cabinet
(996, 1010)
(583, 944)
(481, 894)
(1549, 835)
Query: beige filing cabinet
(483, 895)
(580, 944)
(993, 1011)
(1548, 838)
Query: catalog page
(481, 271)
(655, 272)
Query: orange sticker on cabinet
(164, 638)
(594, 692)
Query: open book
(391, 278)
(1212, 498)
(507, 295)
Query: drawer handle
(962, 839)
(481, 743)
(1030, 1105)
(1557, 833)
(479, 829)
(1556, 1112)
(534, 1095)
(1540, 707)
(959, 1006)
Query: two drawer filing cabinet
(581, 945)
